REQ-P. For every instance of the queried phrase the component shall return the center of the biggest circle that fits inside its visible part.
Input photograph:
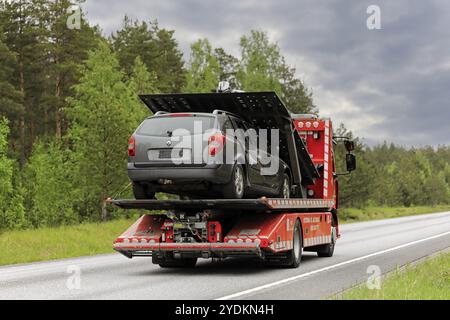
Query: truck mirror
(351, 162)
(349, 145)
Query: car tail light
(215, 143)
(132, 147)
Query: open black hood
(262, 109)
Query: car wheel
(285, 191)
(235, 188)
(141, 192)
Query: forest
(68, 105)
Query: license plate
(168, 154)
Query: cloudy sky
(389, 84)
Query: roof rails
(218, 111)
(303, 116)
(160, 113)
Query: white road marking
(11, 272)
(304, 275)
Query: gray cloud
(391, 84)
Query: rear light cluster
(216, 143)
(263, 243)
(308, 124)
(132, 147)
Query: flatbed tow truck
(175, 233)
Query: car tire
(235, 188)
(141, 192)
(285, 190)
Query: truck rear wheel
(327, 250)
(293, 257)
(174, 263)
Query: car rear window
(165, 126)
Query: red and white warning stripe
(326, 157)
(314, 241)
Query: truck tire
(285, 190)
(174, 263)
(293, 257)
(235, 188)
(327, 250)
(141, 192)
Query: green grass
(96, 238)
(348, 215)
(62, 242)
(428, 280)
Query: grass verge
(429, 280)
(62, 242)
(96, 238)
(349, 215)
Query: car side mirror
(351, 162)
(349, 145)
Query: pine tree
(10, 98)
(157, 48)
(23, 35)
(66, 48)
(229, 66)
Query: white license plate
(169, 154)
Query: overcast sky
(390, 84)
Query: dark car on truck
(159, 162)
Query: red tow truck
(175, 233)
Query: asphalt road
(385, 244)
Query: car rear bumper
(217, 174)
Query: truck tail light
(132, 147)
(214, 231)
(216, 143)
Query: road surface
(385, 244)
